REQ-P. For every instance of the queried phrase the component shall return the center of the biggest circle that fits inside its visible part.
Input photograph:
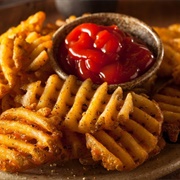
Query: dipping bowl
(131, 25)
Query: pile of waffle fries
(44, 119)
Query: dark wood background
(153, 12)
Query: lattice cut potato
(23, 49)
(32, 23)
(134, 140)
(27, 140)
(11, 56)
(170, 37)
(168, 99)
(78, 106)
(38, 55)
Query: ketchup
(104, 53)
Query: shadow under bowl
(131, 25)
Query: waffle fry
(32, 23)
(79, 106)
(56, 95)
(33, 89)
(38, 50)
(99, 152)
(22, 48)
(11, 55)
(93, 109)
(168, 97)
(109, 117)
(7, 62)
(133, 141)
(53, 86)
(29, 136)
(171, 40)
(169, 101)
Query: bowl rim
(66, 28)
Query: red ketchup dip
(104, 54)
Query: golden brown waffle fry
(32, 23)
(50, 92)
(29, 94)
(93, 109)
(133, 141)
(101, 153)
(27, 139)
(109, 117)
(65, 99)
(23, 48)
(171, 40)
(33, 90)
(143, 110)
(169, 101)
(6, 62)
(54, 94)
(38, 50)
(20, 52)
(11, 55)
(80, 106)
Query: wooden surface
(153, 12)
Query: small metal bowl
(126, 23)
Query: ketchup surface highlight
(104, 54)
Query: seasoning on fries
(46, 119)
